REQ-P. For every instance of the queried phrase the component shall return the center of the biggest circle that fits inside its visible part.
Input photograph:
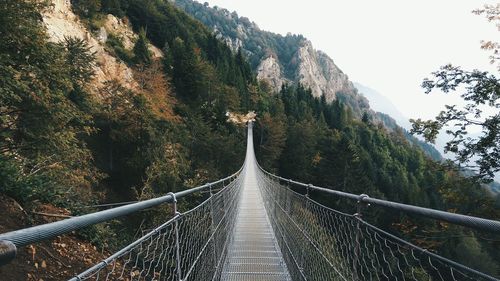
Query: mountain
(380, 103)
(281, 60)
(278, 59)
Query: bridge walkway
(254, 253)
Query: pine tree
(113, 7)
(141, 50)
(88, 8)
(40, 124)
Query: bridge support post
(212, 226)
(177, 243)
(357, 247)
(303, 253)
(8, 252)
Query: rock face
(310, 72)
(336, 80)
(234, 44)
(269, 70)
(314, 69)
(61, 22)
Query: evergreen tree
(41, 127)
(141, 49)
(87, 8)
(81, 60)
(113, 7)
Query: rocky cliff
(277, 59)
(62, 22)
(269, 70)
(317, 71)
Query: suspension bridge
(257, 226)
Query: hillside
(50, 260)
(92, 111)
(278, 59)
(292, 59)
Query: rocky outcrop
(309, 72)
(121, 27)
(269, 70)
(61, 22)
(337, 81)
(279, 59)
(317, 71)
(314, 69)
(234, 44)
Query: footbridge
(259, 226)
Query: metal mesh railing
(317, 242)
(320, 243)
(189, 246)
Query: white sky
(388, 45)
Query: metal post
(274, 195)
(177, 244)
(303, 252)
(212, 226)
(284, 196)
(287, 200)
(8, 252)
(357, 248)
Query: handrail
(42, 232)
(458, 219)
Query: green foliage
(80, 59)
(114, 7)
(24, 187)
(272, 132)
(193, 54)
(470, 253)
(41, 103)
(116, 47)
(326, 146)
(189, 75)
(87, 8)
(481, 90)
(141, 50)
(428, 148)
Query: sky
(388, 45)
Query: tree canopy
(481, 92)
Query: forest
(62, 144)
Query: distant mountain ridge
(292, 58)
(380, 103)
(278, 59)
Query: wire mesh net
(320, 243)
(317, 243)
(189, 246)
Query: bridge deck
(254, 253)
